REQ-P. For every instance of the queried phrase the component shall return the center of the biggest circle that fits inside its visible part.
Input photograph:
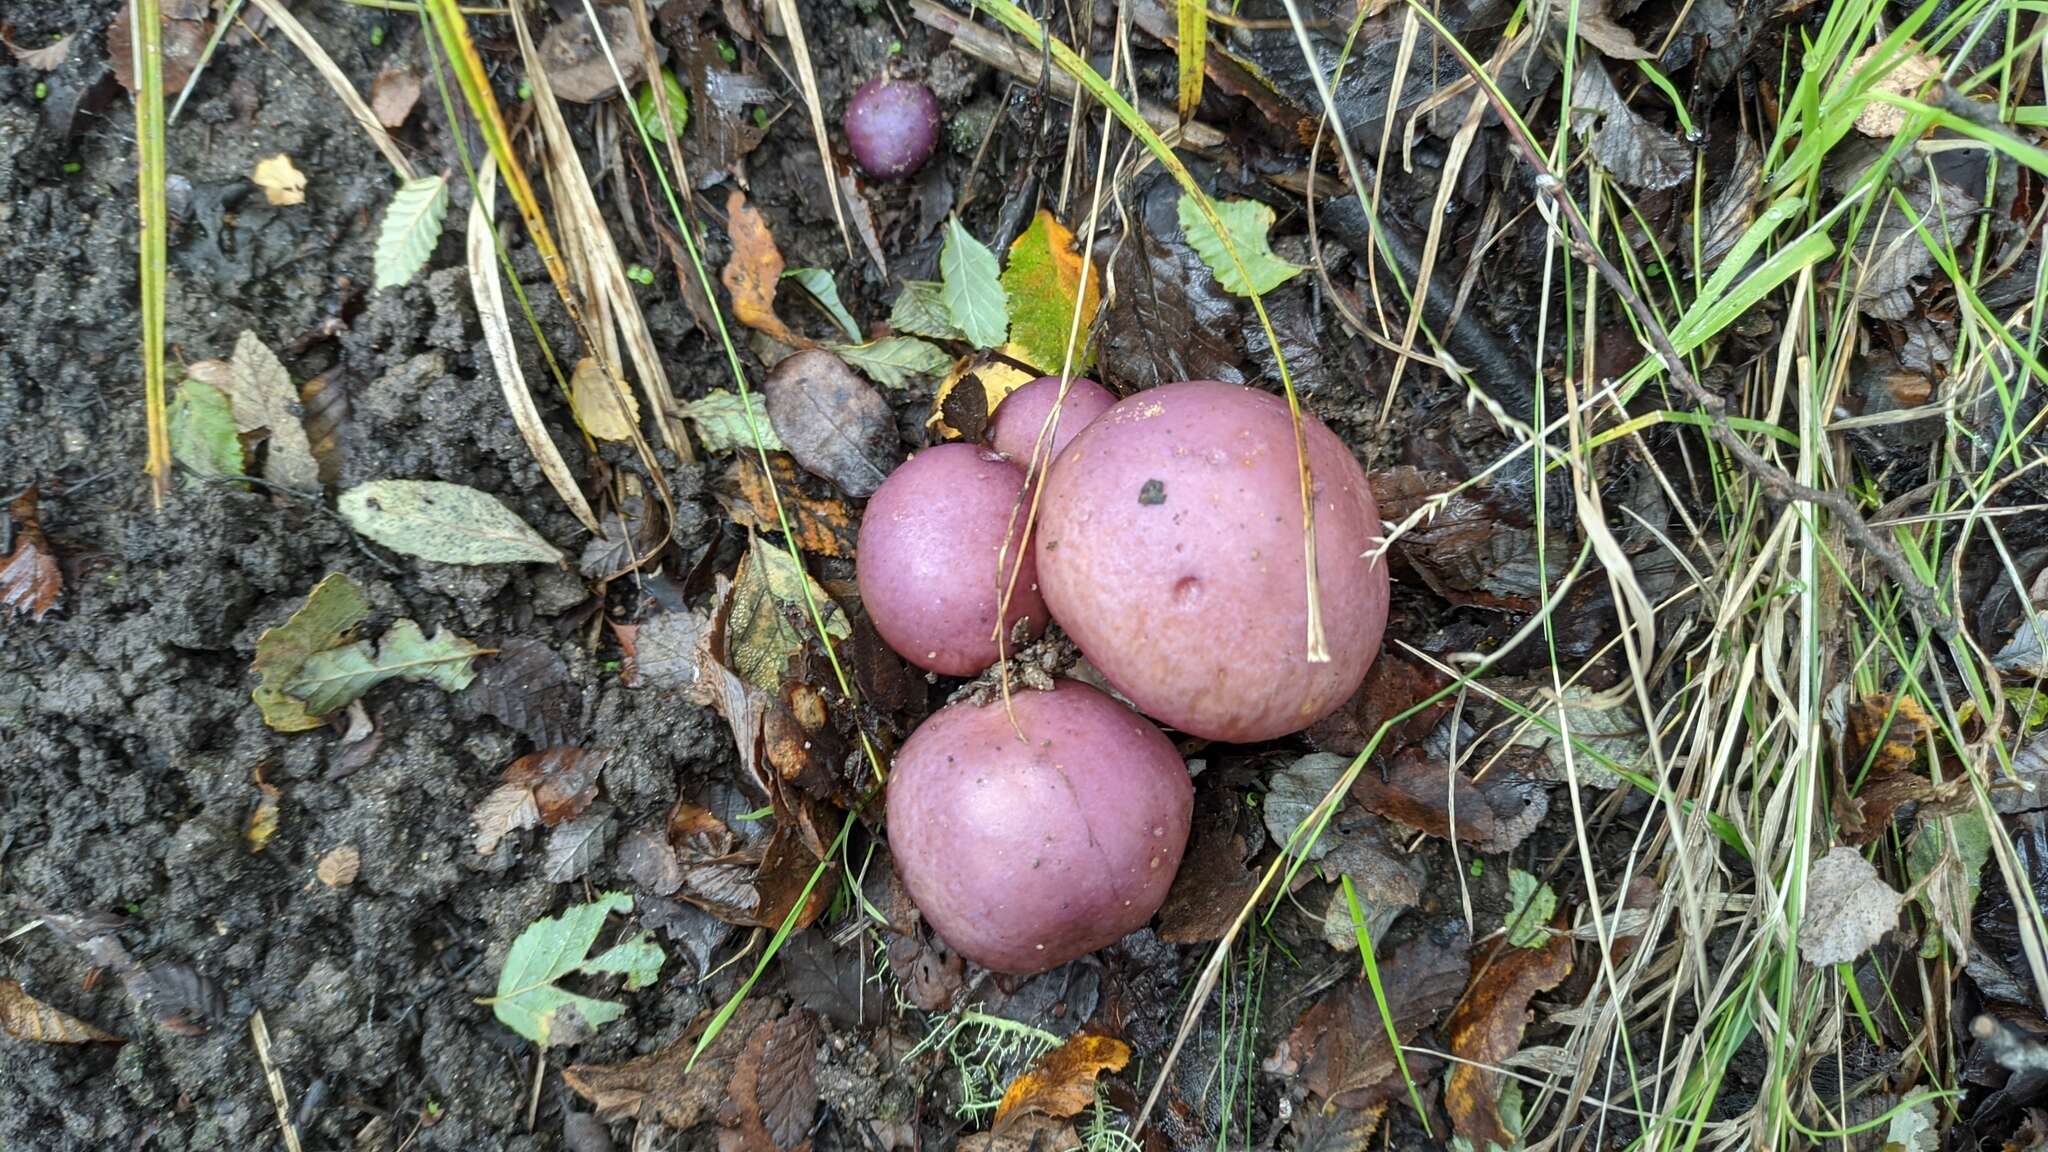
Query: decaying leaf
(1248, 223)
(1474, 546)
(46, 58)
(1486, 1028)
(835, 423)
(576, 844)
(262, 822)
(1910, 68)
(823, 525)
(282, 182)
(31, 579)
(1340, 1043)
(24, 1017)
(2025, 656)
(723, 425)
(971, 288)
(1848, 908)
(1531, 903)
(327, 619)
(774, 1083)
(1031, 1133)
(896, 361)
(1630, 148)
(1043, 282)
(1062, 1082)
(442, 522)
(629, 535)
(768, 597)
(526, 687)
(264, 398)
(577, 67)
(961, 407)
(411, 229)
(184, 39)
(1213, 883)
(393, 94)
(324, 399)
(547, 787)
(755, 885)
(330, 679)
(605, 411)
(665, 1087)
(202, 429)
(1394, 684)
(529, 999)
(1880, 758)
(1292, 795)
(1417, 790)
(1944, 859)
(340, 867)
(1606, 735)
(754, 270)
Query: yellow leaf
(1043, 282)
(24, 1017)
(971, 391)
(282, 183)
(754, 270)
(262, 823)
(598, 403)
(1062, 1082)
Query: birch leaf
(411, 228)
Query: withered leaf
(1475, 548)
(823, 524)
(563, 780)
(753, 272)
(1062, 1082)
(775, 1084)
(184, 43)
(325, 401)
(262, 822)
(576, 844)
(507, 809)
(1849, 908)
(664, 1087)
(30, 579)
(1633, 150)
(1418, 792)
(47, 58)
(1486, 1028)
(629, 535)
(282, 182)
(24, 1017)
(646, 858)
(339, 868)
(1341, 1043)
(576, 65)
(1213, 882)
(1031, 1133)
(1329, 1129)
(1394, 684)
(393, 94)
(526, 687)
(836, 424)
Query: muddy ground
(131, 753)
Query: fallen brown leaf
(1213, 883)
(664, 1087)
(1486, 1028)
(546, 787)
(1889, 743)
(754, 270)
(833, 421)
(775, 1086)
(24, 1017)
(282, 182)
(1062, 1082)
(1029, 1134)
(47, 58)
(393, 94)
(823, 524)
(1394, 684)
(339, 868)
(1340, 1043)
(31, 579)
(262, 824)
(1416, 791)
(184, 43)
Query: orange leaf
(1062, 1082)
(30, 580)
(1486, 1028)
(754, 270)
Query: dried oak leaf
(1416, 791)
(774, 1084)
(1340, 1043)
(822, 523)
(525, 687)
(1486, 1028)
(754, 271)
(1062, 1082)
(24, 1017)
(663, 1086)
(836, 424)
(31, 580)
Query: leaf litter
(31, 579)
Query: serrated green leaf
(971, 286)
(1945, 860)
(639, 960)
(1248, 223)
(329, 680)
(202, 428)
(331, 612)
(920, 310)
(411, 228)
(721, 421)
(528, 999)
(767, 595)
(446, 523)
(825, 291)
(1531, 905)
(895, 361)
(1044, 283)
(648, 113)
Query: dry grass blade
(336, 79)
(146, 32)
(800, 47)
(259, 1033)
(1193, 50)
(490, 309)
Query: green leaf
(330, 680)
(649, 114)
(446, 523)
(1945, 857)
(1044, 285)
(203, 430)
(825, 291)
(528, 1000)
(639, 960)
(411, 228)
(972, 288)
(920, 310)
(1248, 223)
(721, 421)
(895, 361)
(331, 612)
(1531, 905)
(768, 594)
